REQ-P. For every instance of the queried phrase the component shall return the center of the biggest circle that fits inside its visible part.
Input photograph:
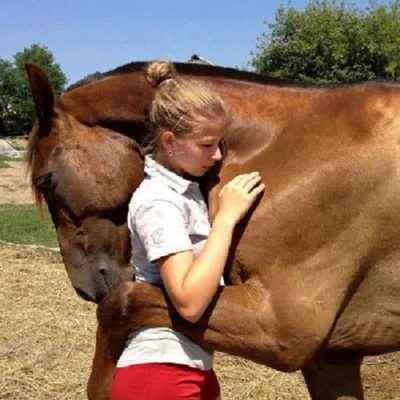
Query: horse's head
(86, 174)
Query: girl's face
(194, 154)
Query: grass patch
(4, 159)
(19, 147)
(20, 144)
(23, 224)
(21, 157)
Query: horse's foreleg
(108, 350)
(334, 376)
(229, 325)
(241, 321)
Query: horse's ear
(42, 91)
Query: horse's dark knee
(115, 312)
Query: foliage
(331, 42)
(17, 111)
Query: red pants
(164, 382)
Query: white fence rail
(31, 246)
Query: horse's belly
(371, 320)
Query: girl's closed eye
(209, 143)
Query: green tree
(16, 104)
(331, 42)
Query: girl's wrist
(224, 221)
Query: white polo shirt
(167, 215)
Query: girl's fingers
(236, 180)
(257, 190)
(250, 184)
(241, 180)
(246, 184)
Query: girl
(172, 241)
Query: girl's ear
(168, 140)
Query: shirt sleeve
(162, 228)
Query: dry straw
(47, 342)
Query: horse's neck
(127, 97)
(121, 103)
(246, 138)
(117, 99)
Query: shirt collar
(155, 170)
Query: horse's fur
(314, 270)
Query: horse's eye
(43, 182)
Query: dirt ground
(47, 333)
(14, 186)
(47, 340)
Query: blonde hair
(181, 106)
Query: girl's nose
(217, 155)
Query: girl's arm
(191, 284)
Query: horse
(313, 274)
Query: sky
(86, 36)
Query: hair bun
(158, 72)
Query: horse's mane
(189, 69)
(30, 159)
(205, 70)
(216, 71)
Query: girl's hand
(237, 196)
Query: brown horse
(314, 272)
